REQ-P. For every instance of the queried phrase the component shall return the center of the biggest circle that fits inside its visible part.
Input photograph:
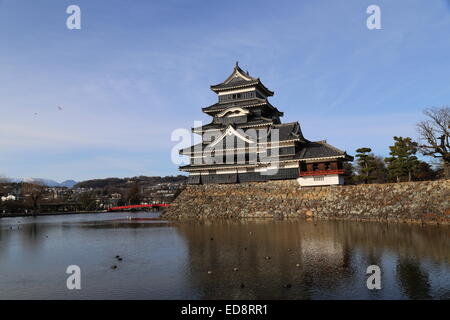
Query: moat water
(247, 259)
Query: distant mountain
(103, 183)
(48, 182)
(68, 183)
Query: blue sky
(139, 69)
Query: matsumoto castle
(246, 141)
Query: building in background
(9, 197)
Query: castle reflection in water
(317, 260)
(223, 259)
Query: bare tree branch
(434, 135)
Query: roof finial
(237, 63)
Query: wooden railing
(321, 172)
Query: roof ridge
(242, 74)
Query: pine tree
(380, 171)
(350, 173)
(424, 171)
(403, 162)
(367, 165)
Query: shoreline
(21, 215)
(249, 218)
(308, 219)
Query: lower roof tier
(310, 151)
(273, 133)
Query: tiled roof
(193, 148)
(219, 126)
(236, 82)
(222, 166)
(239, 79)
(289, 131)
(239, 103)
(319, 149)
(286, 132)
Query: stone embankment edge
(413, 202)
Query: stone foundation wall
(422, 202)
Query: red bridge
(137, 206)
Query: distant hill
(102, 183)
(119, 182)
(47, 182)
(68, 183)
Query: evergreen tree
(367, 165)
(441, 170)
(380, 172)
(403, 162)
(424, 171)
(350, 173)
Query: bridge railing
(136, 206)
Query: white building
(9, 197)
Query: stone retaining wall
(422, 202)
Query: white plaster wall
(331, 179)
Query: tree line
(403, 163)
